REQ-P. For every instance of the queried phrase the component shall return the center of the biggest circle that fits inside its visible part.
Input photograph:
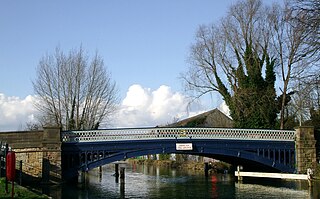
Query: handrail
(176, 133)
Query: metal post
(5, 155)
(285, 157)
(274, 155)
(20, 168)
(12, 189)
(289, 157)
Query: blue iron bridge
(257, 149)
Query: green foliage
(315, 118)
(164, 156)
(19, 192)
(180, 158)
(254, 103)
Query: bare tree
(305, 101)
(230, 58)
(289, 42)
(306, 14)
(74, 92)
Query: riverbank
(19, 192)
(215, 167)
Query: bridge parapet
(178, 133)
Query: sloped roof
(212, 118)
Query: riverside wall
(39, 151)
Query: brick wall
(305, 149)
(39, 151)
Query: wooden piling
(116, 167)
(122, 174)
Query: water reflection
(154, 182)
(261, 191)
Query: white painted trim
(272, 175)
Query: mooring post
(238, 171)
(122, 189)
(116, 167)
(122, 174)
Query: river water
(154, 182)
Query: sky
(144, 45)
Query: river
(154, 182)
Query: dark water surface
(154, 182)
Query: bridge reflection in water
(272, 150)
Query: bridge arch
(248, 160)
(242, 152)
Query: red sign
(11, 165)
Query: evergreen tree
(253, 104)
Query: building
(214, 118)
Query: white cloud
(144, 107)
(16, 112)
(141, 107)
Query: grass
(19, 192)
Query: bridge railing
(176, 133)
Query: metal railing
(176, 133)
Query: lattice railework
(176, 133)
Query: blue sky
(144, 43)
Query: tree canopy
(74, 92)
(241, 56)
(233, 59)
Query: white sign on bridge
(184, 147)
